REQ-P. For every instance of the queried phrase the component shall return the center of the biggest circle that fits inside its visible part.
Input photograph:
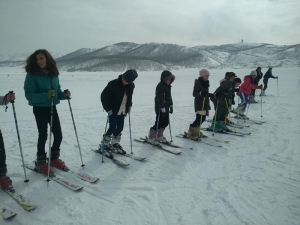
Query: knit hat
(237, 80)
(204, 72)
(130, 75)
(253, 73)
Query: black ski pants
(42, 118)
(3, 168)
(163, 120)
(265, 84)
(116, 125)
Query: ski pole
(19, 139)
(261, 106)
(170, 128)
(50, 136)
(102, 145)
(130, 133)
(247, 109)
(277, 87)
(215, 118)
(228, 113)
(201, 117)
(157, 126)
(238, 109)
(65, 91)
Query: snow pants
(3, 168)
(116, 125)
(163, 120)
(42, 118)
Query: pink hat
(204, 72)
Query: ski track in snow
(252, 180)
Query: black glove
(236, 90)
(203, 93)
(171, 109)
(211, 95)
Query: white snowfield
(252, 180)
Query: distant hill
(157, 56)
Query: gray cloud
(65, 26)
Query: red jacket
(247, 86)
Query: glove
(67, 94)
(50, 93)
(171, 109)
(211, 95)
(218, 95)
(203, 93)
(236, 90)
(276, 77)
(110, 112)
(10, 97)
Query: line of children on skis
(42, 88)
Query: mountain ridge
(160, 56)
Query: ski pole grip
(65, 92)
(11, 92)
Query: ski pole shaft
(130, 133)
(157, 126)
(50, 136)
(215, 118)
(228, 112)
(82, 165)
(238, 109)
(19, 139)
(201, 116)
(170, 128)
(104, 135)
(247, 108)
(261, 106)
(277, 87)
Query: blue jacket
(36, 88)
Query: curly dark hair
(33, 68)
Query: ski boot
(151, 136)
(5, 182)
(161, 137)
(115, 143)
(41, 166)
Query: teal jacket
(37, 87)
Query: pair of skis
(239, 126)
(229, 132)
(64, 182)
(158, 145)
(20, 199)
(200, 140)
(117, 161)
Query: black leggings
(163, 120)
(265, 84)
(42, 117)
(3, 169)
(197, 121)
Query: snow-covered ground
(252, 180)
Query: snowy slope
(251, 180)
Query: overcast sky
(63, 26)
